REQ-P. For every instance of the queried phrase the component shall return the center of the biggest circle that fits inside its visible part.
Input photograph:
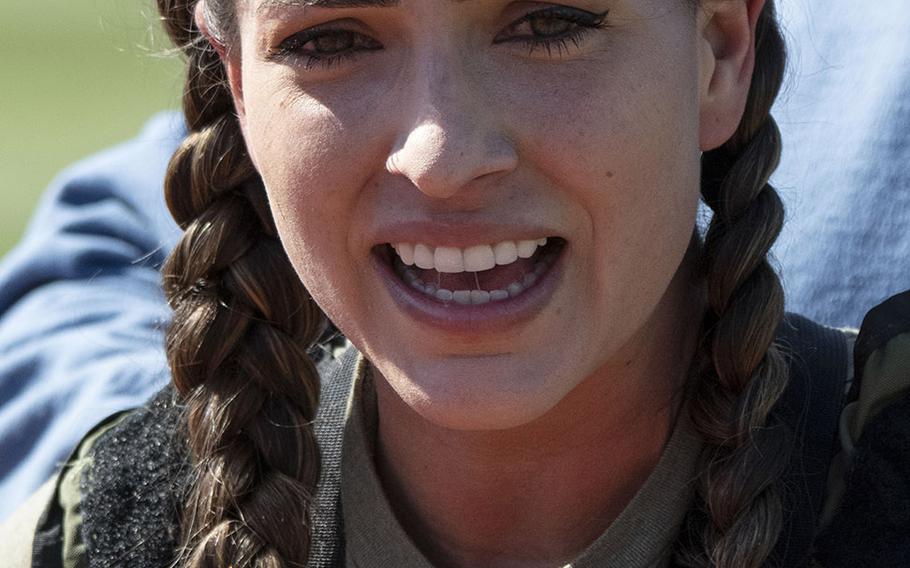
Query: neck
(539, 494)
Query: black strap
(811, 406)
(328, 525)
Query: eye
(552, 28)
(324, 46)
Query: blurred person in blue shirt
(83, 315)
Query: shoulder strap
(811, 407)
(328, 525)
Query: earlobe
(229, 58)
(726, 62)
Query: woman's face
(450, 129)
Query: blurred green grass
(75, 77)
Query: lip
(473, 320)
(460, 235)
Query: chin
(496, 392)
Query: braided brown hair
(740, 373)
(243, 321)
(237, 345)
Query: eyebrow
(268, 4)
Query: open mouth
(476, 275)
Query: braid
(740, 372)
(237, 344)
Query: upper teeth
(478, 258)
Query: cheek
(305, 153)
(294, 158)
(623, 147)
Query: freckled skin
(442, 119)
(599, 144)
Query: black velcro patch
(133, 488)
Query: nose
(451, 136)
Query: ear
(230, 58)
(726, 61)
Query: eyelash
(582, 23)
(294, 47)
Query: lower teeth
(475, 297)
